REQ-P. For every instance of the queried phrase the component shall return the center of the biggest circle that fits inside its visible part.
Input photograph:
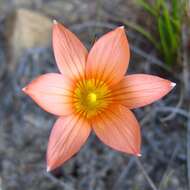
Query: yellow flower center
(91, 97)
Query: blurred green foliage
(168, 16)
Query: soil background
(26, 52)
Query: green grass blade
(168, 15)
(175, 9)
(163, 40)
(170, 34)
(159, 4)
(176, 25)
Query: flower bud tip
(173, 84)
(55, 21)
(122, 27)
(48, 169)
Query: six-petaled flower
(92, 92)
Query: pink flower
(92, 92)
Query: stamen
(90, 97)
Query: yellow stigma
(91, 97)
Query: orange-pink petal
(68, 135)
(140, 89)
(52, 92)
(119, 129)
(109, 57)
(70, 53)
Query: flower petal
(52, 92)
(119, 129)
(70, 54)
(68, 135)
(140, 89)
(109, 57)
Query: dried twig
(124, 174)
(168, 173)
(97, 24)
(173, 113)
(179, 111)
(149, 180)
(58, 182)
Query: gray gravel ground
(25, 128)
